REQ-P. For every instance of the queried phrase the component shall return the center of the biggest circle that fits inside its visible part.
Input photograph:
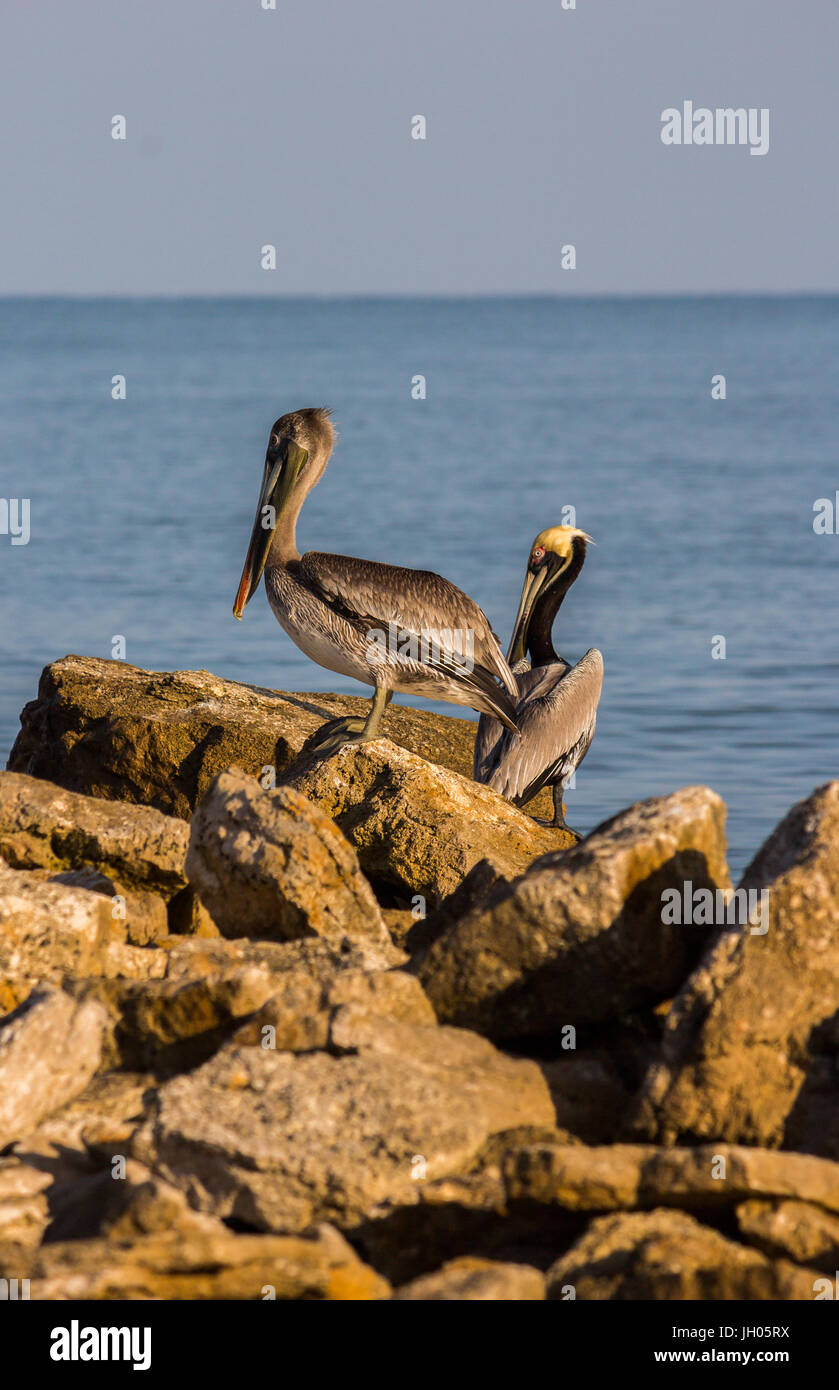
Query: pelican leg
(352, 728)
(559, 811)
(558, 822)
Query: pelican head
(298, 452)
(556, 558)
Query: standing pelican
(557, 705)
(393, 628)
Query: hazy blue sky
(248, 126)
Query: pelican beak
(283, 464)
(534, 583)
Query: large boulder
(159, 738)
(282, 1141)
(670, 1255)
(419, 828)
(272, 865)
(583, 936)
(751, 1043)
(49, 1049)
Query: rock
(751, 1044)
(142, 914)
(670, 1255)
(114, 731)
(174, 1024)
(282, 1141)
(42, 826)
(621, 1176)
(49, 1049)
(123, 1202)
(798, 1230)
(191, 958)
(189, 917)
(579, 937)
(171, 1025)
(90, 1130)
(205, 1265)
(49, 929)
(301, 1013)
(476, 1280)
(23, 1206)
(418, 828)
(467, 1213)
(271, 865)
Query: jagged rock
(157, 738)
(270, 864)
(579, 937)
(282, 1141)
(476, 1280)
(800, 1231)
(145, 919)
(190, 958)
(206, 1265)
(49, 1049)
(42, 826)
(50, 931)
(615, 1176)
(750, 1047)
(416, 827)
(174, 1024)
(170, 1025)
(670, 1255)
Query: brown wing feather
(376, 594)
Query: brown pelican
(557, 705)
(393, 628)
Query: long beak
(283, 463)
(533, 585)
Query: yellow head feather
(559, 539)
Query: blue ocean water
(702, 509)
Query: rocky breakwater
(356, 1028)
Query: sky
(292, 127)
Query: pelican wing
(372, 595)
(556, 719)
(490, 730)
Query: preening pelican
(557, 705)
(393, 628)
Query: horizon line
(399, 295)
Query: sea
(696, 439)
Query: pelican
(557, 704)
(392, 628)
